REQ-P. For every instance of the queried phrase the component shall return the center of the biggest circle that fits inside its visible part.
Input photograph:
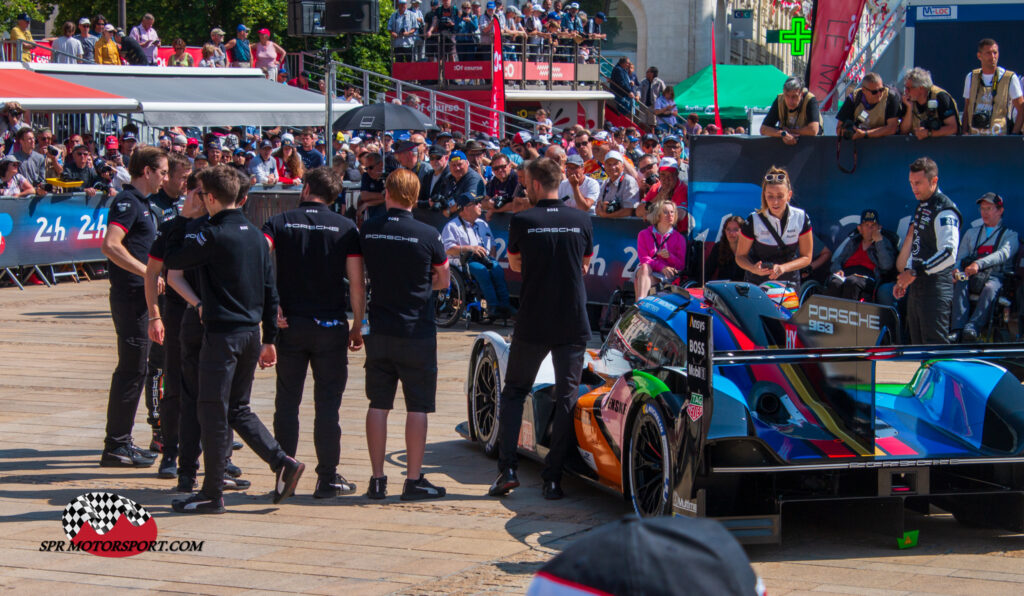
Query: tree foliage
(192, 21)
(10, 9)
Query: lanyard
(664, 239)
(470, 234)
(618, 187)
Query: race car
(719, 402)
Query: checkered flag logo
(101, 511)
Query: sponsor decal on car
(696, 407)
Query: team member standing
(130, 233)
(551, 245)
(406, 262)
(317, 249)
(929, 250)
(236, 279)
(776, 241)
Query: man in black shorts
(237, 286)
(406, 262)
(317, 249)
(551, 245)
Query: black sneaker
(198, 503)
(168, 468)
(288, 474)
(235, 483)
(504, 483)
(157, 444)
(552, 490)
(186, 484)
(378, 488)
(421, 488)
(232, 470)
(144, 452)
(333, 487)
(125, 457)
(236, 445)
(969, 335)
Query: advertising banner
(835, 28)
(52, 229)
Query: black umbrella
(665, 555)
(383, 116)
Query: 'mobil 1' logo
(108, 525)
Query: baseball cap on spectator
(872, 215)
(192, 142)
(111, 142)
(537, 8)
(217, 31)
(669, 139)
(991, 197)
(414, 1)
(84, 21)
(491, 6)
(491, 145)
(600, 15)
(466, 198)
(355, 140)
(443, 134)
(239, 151)
(266, 143)
(615, 155)
(522, 138)
(165, 137)
(179, 140)
(437, 151)
(401, 2)
(213, 144)
(574, 160)
(403, 146)
(668, 163)
(574, 6)
(10, 158)
(319, 142)
(476, 2)
(287, 139)
(24, 17)
(553, 17)
(650, 138)
(109, 27)
(264, 31)
(544, 139)
(457, 155)
(79, 148)
(600, 136)
(250, 154)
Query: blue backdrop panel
(52, 229)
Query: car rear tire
(648, 464)
(449, 304)
(484, 399)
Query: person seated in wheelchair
(467, 237)
(986, 261)
(661, 249)
(861, 260)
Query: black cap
(436, 150)
(869, 215)
(466, 198)
(993, 198)
(651, 137)
(403, 146)
(443, 134)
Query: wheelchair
(462, 300)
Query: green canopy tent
(740, 87)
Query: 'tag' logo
(108, 525)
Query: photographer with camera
(443, 26)
(501, 187)
(620, 193)
(467, 236)
(436, 185)
(986, 259)
(793, 114)
(992, 95)
(930, 111)
(872, 111)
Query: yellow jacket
(26, 35)
(105, 52)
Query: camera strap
(981, 85)
(980, 240)
(771, 228)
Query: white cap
(601, 135)
(668, 163)
(84, 21)
(288, 137)
(355, 140)
(616, 156)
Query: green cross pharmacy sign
(798, 36)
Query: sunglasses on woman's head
(775, 177)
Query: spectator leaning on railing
(86, 38)
(106, 51)
(21, 31)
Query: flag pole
(714, 78)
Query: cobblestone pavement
(57, 353)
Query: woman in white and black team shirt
(776, 240)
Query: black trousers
(170, 403)
(131, 323)
(524, 361)
(929, 305)
(191, 340)
(155, 377)
(304, 344)
(227, 362)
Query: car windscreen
(639, 341)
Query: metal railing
(639, 113)
(882, 34)
(14, 51)
(444, 110)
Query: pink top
(265, 55)
(649, 242)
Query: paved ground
(56, 349)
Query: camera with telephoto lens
(440, 203)
(981, 120)
(612, 206)
(931, 124)
(52, 151)
(473, 257)
(500, 200)
(651, 179)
